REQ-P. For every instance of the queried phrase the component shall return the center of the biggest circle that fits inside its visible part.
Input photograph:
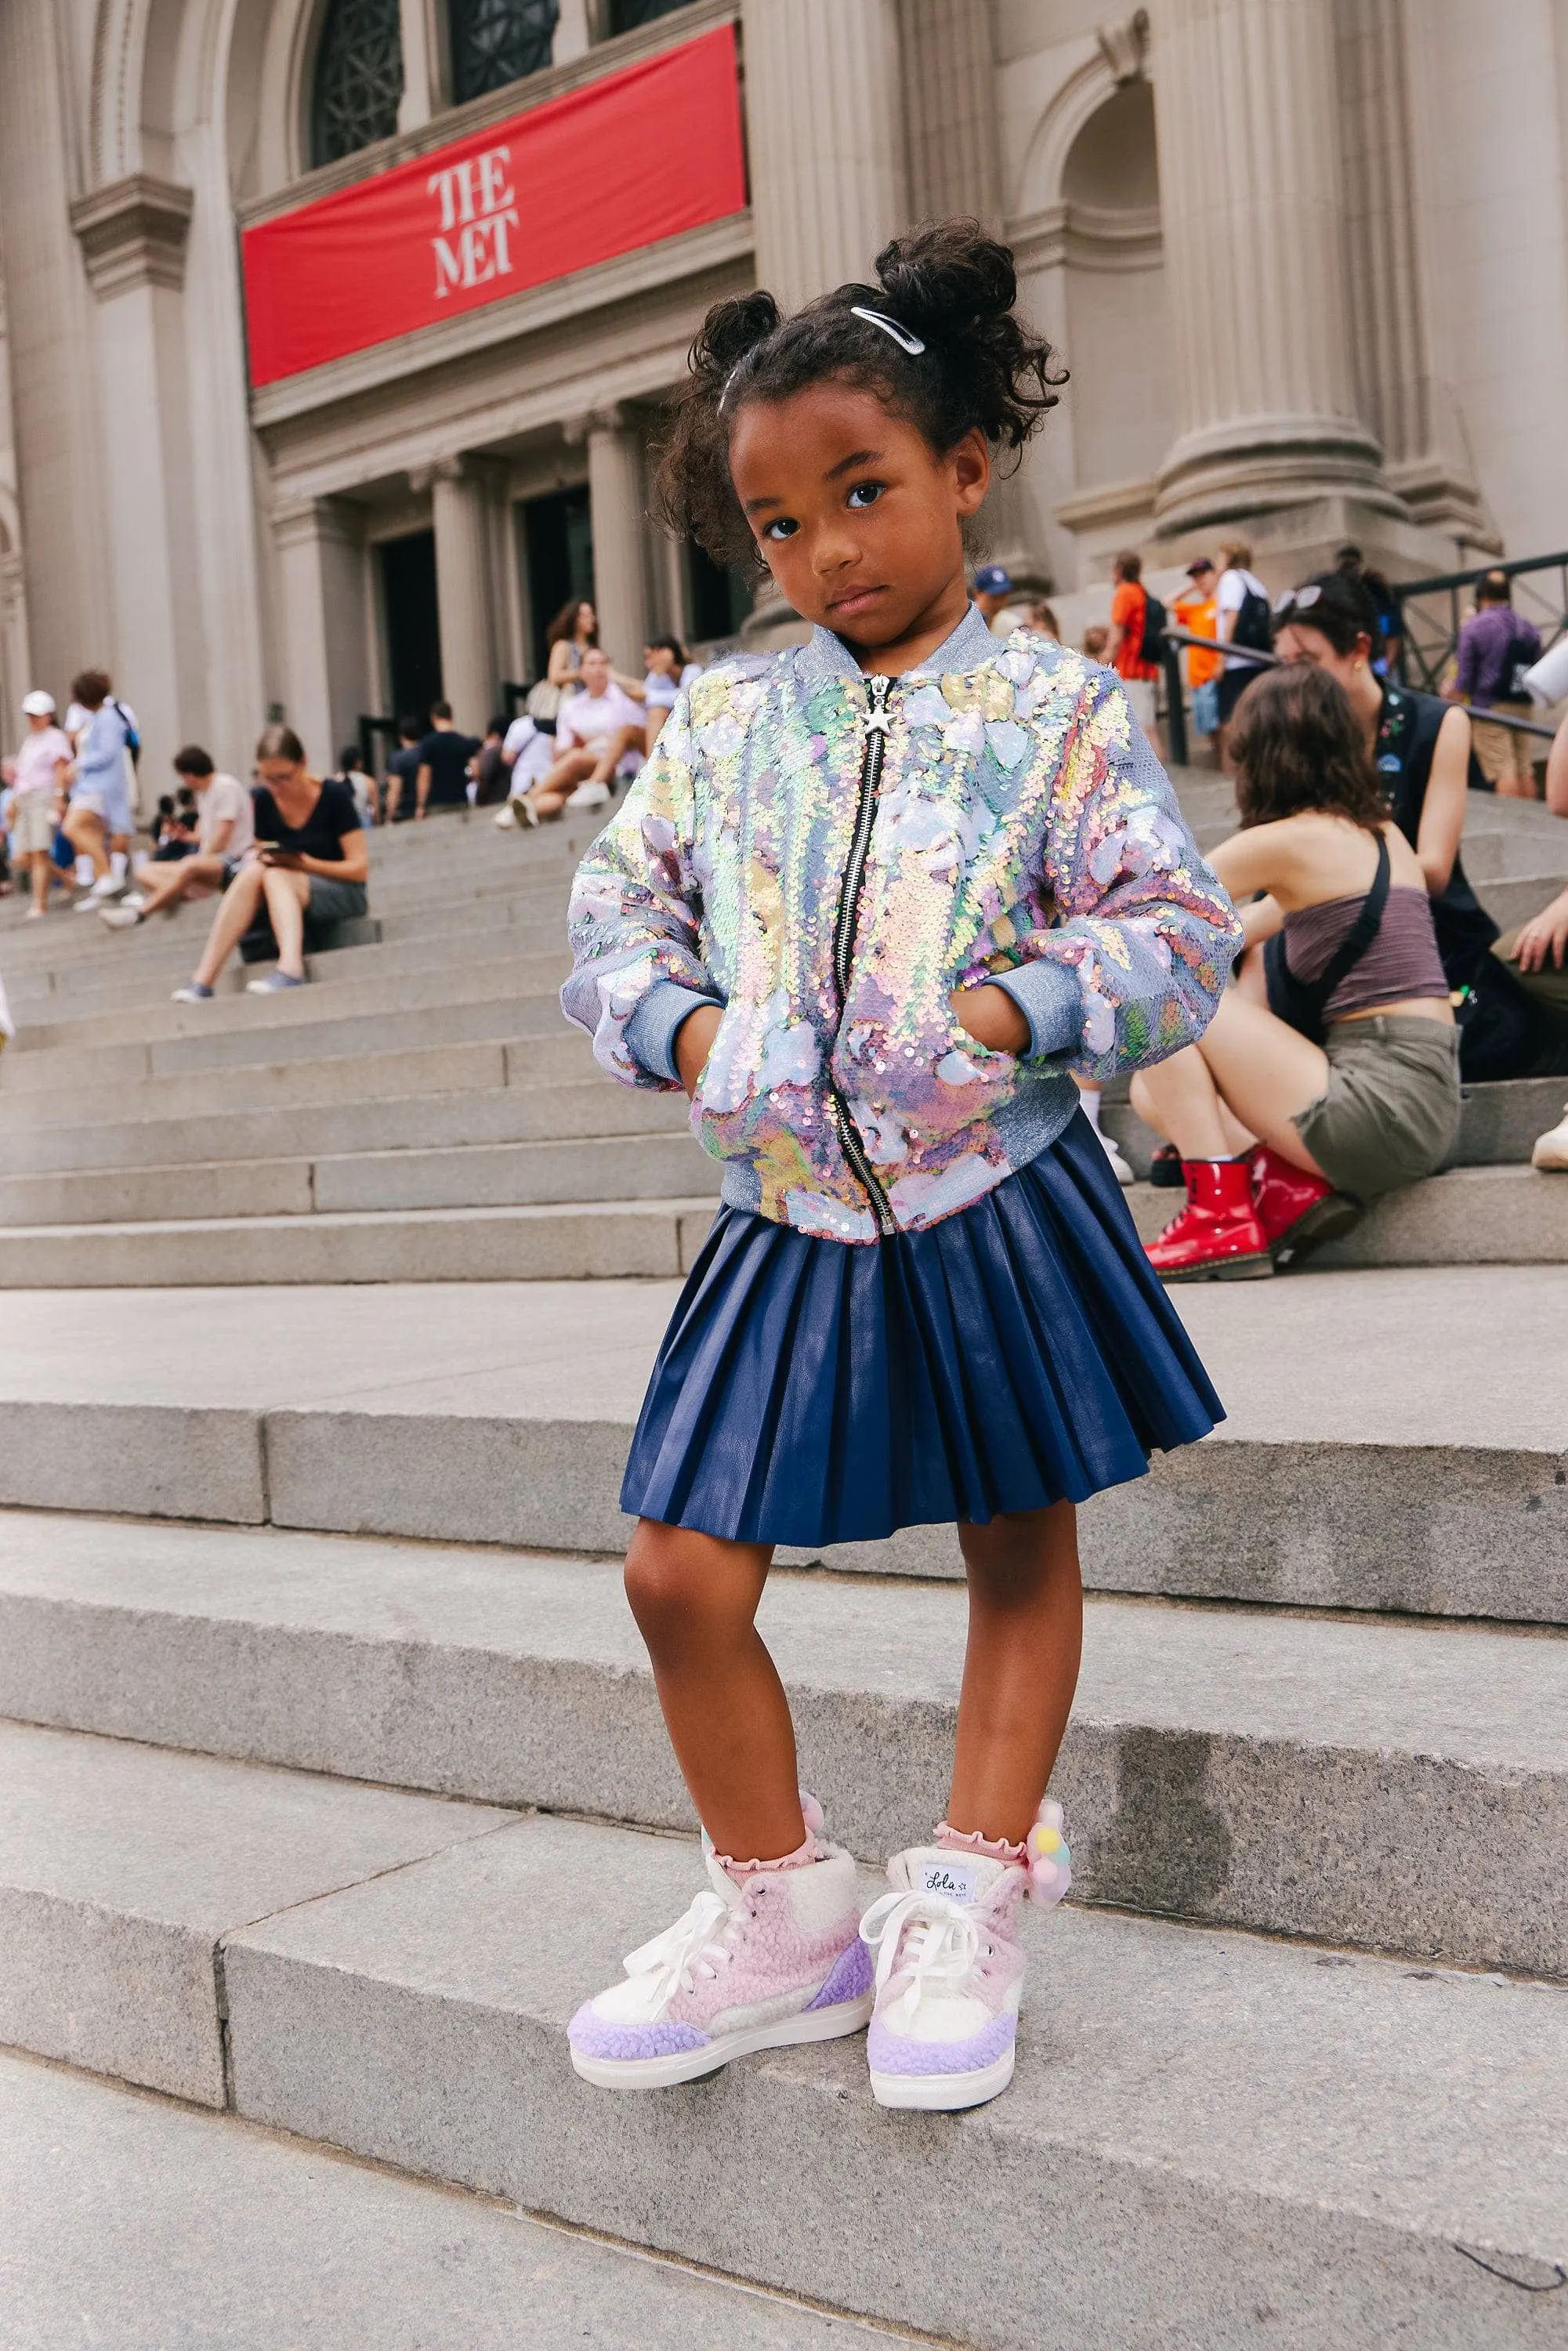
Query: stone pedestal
(823, 110)
(460, 505)
(321, 565)
(621, 533)
(1254, 248)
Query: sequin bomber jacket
(830, 857)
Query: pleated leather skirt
(812, 1392)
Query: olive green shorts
(1390, 1112)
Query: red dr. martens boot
(1216, 1236)
(1297, 1211)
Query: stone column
(824, 123)
(465, 587)
(618, 501)
(321, 567)
(133, 238)
(49, 334)
(950, 108)
(1394, 376)
(1250, 186)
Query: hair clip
(901, 335)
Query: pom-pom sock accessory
(768, 1954)
(950, 1968)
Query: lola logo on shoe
(953, 1878)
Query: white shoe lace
(697, 1944)
(944, 1941)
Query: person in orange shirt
(1195, 610)
(1129, 607)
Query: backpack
(133, 739)
(1153, 645)
(1252, 623)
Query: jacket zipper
(844, 922)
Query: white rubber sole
(834, 2023)
(942, 2094)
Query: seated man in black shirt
(403, 769)
(443, 758)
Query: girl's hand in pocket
(991, 1017)
(693, 1043)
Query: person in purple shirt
(1493, 644)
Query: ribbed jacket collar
(826, 656)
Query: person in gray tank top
(1329, 1074)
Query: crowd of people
(1371, 979)
(1323, 1083)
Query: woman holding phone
(309, 867)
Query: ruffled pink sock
(970, 1841)
(811, 1850)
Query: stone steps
(142, 2224)
(1365, 1784)
(466, 1175)
(470, 1213)
(318, 1955)
(382, 1070)
(317, 1033)
(198, 1036)
(1398, 1441)
(578, 1109)
(575, 1240)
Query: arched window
(358, 78)
(498, 41)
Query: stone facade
(1306, 259)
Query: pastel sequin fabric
(1022, 823)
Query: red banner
(619, 163)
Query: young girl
(870, 903)
(1330, 1074)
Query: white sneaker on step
(949, 1976)
(771, 1961)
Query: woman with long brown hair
(1329, 1074)
(308, 866)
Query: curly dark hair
(951, 285)
(1298, 745)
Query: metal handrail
(1259, 660)
(1450, 583)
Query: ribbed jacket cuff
(1049, 997)
(652, 1030)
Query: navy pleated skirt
(1017, 1353)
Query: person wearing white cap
(40, 777)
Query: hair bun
(947, 280)
(731, 329)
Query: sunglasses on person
(1294, 600)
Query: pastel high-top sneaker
(774, 1958)
(949, 1975)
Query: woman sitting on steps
(1330, 1072)
(309, 866)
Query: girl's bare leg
(550, 794)
(41, 861)
(1020, 1669)
(85, 832)
(237, 913)
(1250, 1064)
(616, 746)
(695, 1600)
(287, 895)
